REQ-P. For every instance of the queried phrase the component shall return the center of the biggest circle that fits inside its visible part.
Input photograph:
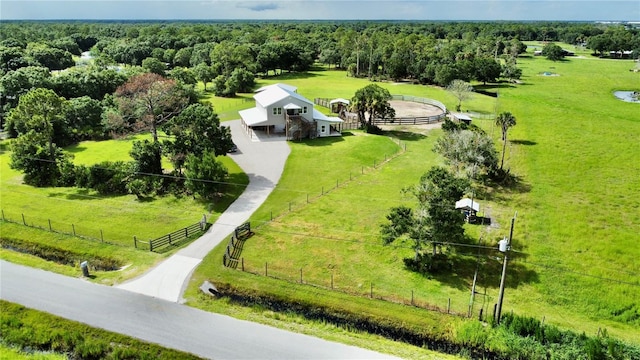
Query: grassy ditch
(62, 254)
(29, 331)
(387, 327)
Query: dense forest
(64, 82)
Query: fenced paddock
(410, 110)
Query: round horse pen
(410, 110)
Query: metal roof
(468, 204)
(280, 85)
(274, 94)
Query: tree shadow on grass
(501, 188)
(489, 264)
(406, 135)
(81, 194)
(74, 149)
(523, 142)
(292, 75)
(325, 141)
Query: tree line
(143, 76)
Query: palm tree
(505, 120)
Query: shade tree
(374, 100)
(462, 90)
(195, 131)
(147, 101)
(435, 220)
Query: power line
(556, 269)
(283, 189)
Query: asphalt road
(163, 322)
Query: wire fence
(332, 280)
(159, 244)
(58, 227)
(308, 197)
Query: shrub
(110, 178)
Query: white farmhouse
(281, 110)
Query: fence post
(3, 215)
(336, 183)
(350, 176)
(289, 206)
(50, 229)
(242, 259)
(332, 281)
(449, 306)
(169, 239)
(24, 222)
(150, 245)
(323, 190)
(74, 229)
(271, 215)
(412, 297)
(101, 236)
(186, 232)
(374, 164)
(371, 290)
(135, 241)
(300, 275)
(266, 272)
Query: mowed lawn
(573, 152)
(120, 218)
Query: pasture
(114, 219)
(573, 153)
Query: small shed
(338, 105)
(461, 117)
(468, 206)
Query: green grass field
(573, 151)
(119, 217)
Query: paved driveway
(263, 162)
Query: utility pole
(504, 247)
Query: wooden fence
(235, 245)
(410, 120)
(176, 238)
(351, 119)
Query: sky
(517, 10)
